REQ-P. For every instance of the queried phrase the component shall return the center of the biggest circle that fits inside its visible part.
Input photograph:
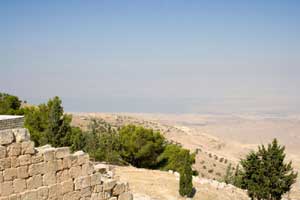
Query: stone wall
(12, 122)
(28, 173)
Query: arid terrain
(220, 140)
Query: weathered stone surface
(42, 193)
(19, 185)
(119, 189)
(109, 184)
(95, 179)
(62, 152)
(21, 134)
(29, 195)
(14, 197)
(14, 149)
(49, 154)
(125, 196)
(10, 174)
(37, 159)
(25, 159)
(67, 186)
(75, 171)
(2, 151)
(85, 192)
(5, 163)
(55, 190)
(1, 177)
(22, 172)
(6, 188)
(98, 188)
(75, 195)
(34, 182)
(15, 162)
(6, 137)
(63, 175)
(28, 147)
(87, 169)
(82, 182)
(100, 168)
(49, 178)
(36, 169)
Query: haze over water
(154, 56)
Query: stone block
(1, 177)
(14, 149)
(95, 179)
(49, 178)
(2, 151)
(75, 195)
(15, 162)
(14, 197)
(29, 195)
(10, 174)
(67, 162)
(119, 189)
(109, 184)
(34, 182)
(87, 169)
(37, 159)
(23, 172)
(63, 175)
(82, 182)
(55, 190)
(6, 137)
(25, 159)
(98, 188)
(5, 163)
(125, 196)
(36, 169)
(19, 185)
(42, 193)
(28, 147)
(67, 186)
(101, 168)
(62, 152)
(21, 135)
(49, 154)
(6, 188)
(85, 192)
(75, 172)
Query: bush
(10, 105)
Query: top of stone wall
(14, 135)
(5, 117)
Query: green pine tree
(186, 178)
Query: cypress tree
(186, 178)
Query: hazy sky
(153, 56)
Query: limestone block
(19, 185)
(100, 168)
(22, 172)
(67, 162)
(34, 182)
(37, 159)
(10, 174)
(36, 169)
(113, 198)
(29, 195)
(28, 147)
(62, 152)
(49, 178)
(54, 165)
(75, 171)
(15, 162)
(83, 159)
(6, 188)
(75, 195)
(55, 190)
(67, 186)
(98, 188)
(109, 184)
(85, 192)
(21, 134)
(87, 169)
(125, 196)
(119, 189)
(14, 149)
(5, 163)
(2, 151)
(95, 179)
(1, 177)
(42, 193)
(63, 175)
(49, 154)
(82, 182)
(25, 159)
(14, 197)
(6, 137)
